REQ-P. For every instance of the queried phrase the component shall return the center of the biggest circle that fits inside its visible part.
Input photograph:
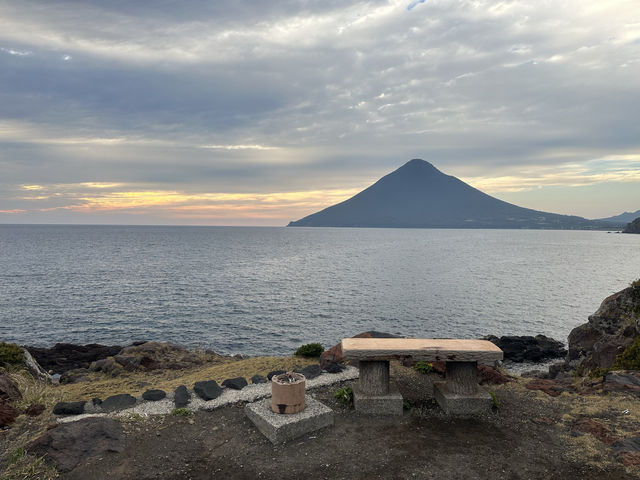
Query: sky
(259, 112)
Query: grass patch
(21, 466)
(494, 399)
(181, 412)
(135, 383)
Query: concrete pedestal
(280, 428)
(389, 403)
(462, 404)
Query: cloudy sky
(258, 112)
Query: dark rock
(207, 390)
(118, 402)
(71, 444)
(154, 395)
(334, 367)
(599, 431)
(128, 362)
(608, 332)
(237, 383)
(9, 391)
(528, 348)
(272, 373)
(632, 227)
(35, 409)
(69, 408)
(181, 396)
(63, 357)
(490, 376)
(622, 381)
(96, 401)
(311, 371)
(258, 379)
(8, 414)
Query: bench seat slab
(428, 349)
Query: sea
(266, 291)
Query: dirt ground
(509, 443)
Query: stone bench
(458, 394)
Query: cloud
(206, 97)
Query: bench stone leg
(375, 394)
(460, 394)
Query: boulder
(181, 396)
(69, 408)
(9, 391)
(608, 332)
(622, 381)
(154, 395)
(66, 356)
(258, 379)
(8, 414)
(71, 444)
(528, 348)
(207, 390)
(237, 383)
(118, 402)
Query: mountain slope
(622, 219)
(418, 195)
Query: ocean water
(268, 290)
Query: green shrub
(423, 367)
(182, 412)
(310, 350)
(629, 359)
(345, 395)
(10, 354)
(635, 284)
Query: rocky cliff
(608, 332)
(633, 227)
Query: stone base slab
(467, 404)
(389, 404)
(280, 428)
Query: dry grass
(21, 466)
(135, 383)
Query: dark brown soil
(523, 439)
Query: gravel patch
(248, 394)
